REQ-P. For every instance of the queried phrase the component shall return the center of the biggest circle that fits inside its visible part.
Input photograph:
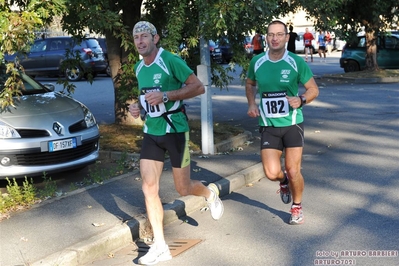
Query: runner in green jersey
(164, 82)
(166, 73)
(275, 75)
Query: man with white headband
(164, 81)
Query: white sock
(160, 244)
(212, 196)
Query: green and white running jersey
(168, 72)
(275, 81)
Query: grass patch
(128, 139)
(114, 137)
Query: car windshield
(212, 43)
(89, 43)
(29, 86)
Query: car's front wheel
(108, 70)
(351, 66)
(74, 73)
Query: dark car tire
(74, 73)
(226, 60)
(351, 66)
(90, 75)
(108, 71)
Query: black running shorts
(176, 144)
(282, 137)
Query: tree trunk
(117, 57)
(371, 48)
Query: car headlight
(7, 132)
(89, 117)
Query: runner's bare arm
(312, 91)
(194, 87)
(250, 91)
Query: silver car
(46, 132)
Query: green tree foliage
(115, 21)
(177, 21)
(18, 21)
(348, 17)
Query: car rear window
(92, 43)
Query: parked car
(338, 44)
(227, 50)
(249, 49)
(46, 132)
(103, 44)
(54, 56)
(191, 55)
(215, 51)
(353, 55)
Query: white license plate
(217, 50)
(64, 144)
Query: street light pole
(203, 72)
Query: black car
(56, 56)
(103, 44)
(226, 49)
(191, 55)
(215, 52)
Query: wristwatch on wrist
(165, 98)
(303, 100)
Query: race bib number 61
(153, 111)
(275, 104)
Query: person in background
(291, 42)
(257, 43)
(321, 40)
(275, 76)
(328, 42)
(164, 81)
(307, 42)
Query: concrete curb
(124, 234)
(365, 80)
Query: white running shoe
(296, 215)
(155, 255)
(215, 204)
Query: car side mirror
(49, 86)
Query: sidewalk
(77, 228)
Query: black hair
(278, 22)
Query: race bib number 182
(275, 104)
(152, 110)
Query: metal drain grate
(180, 245)
(176, 247)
